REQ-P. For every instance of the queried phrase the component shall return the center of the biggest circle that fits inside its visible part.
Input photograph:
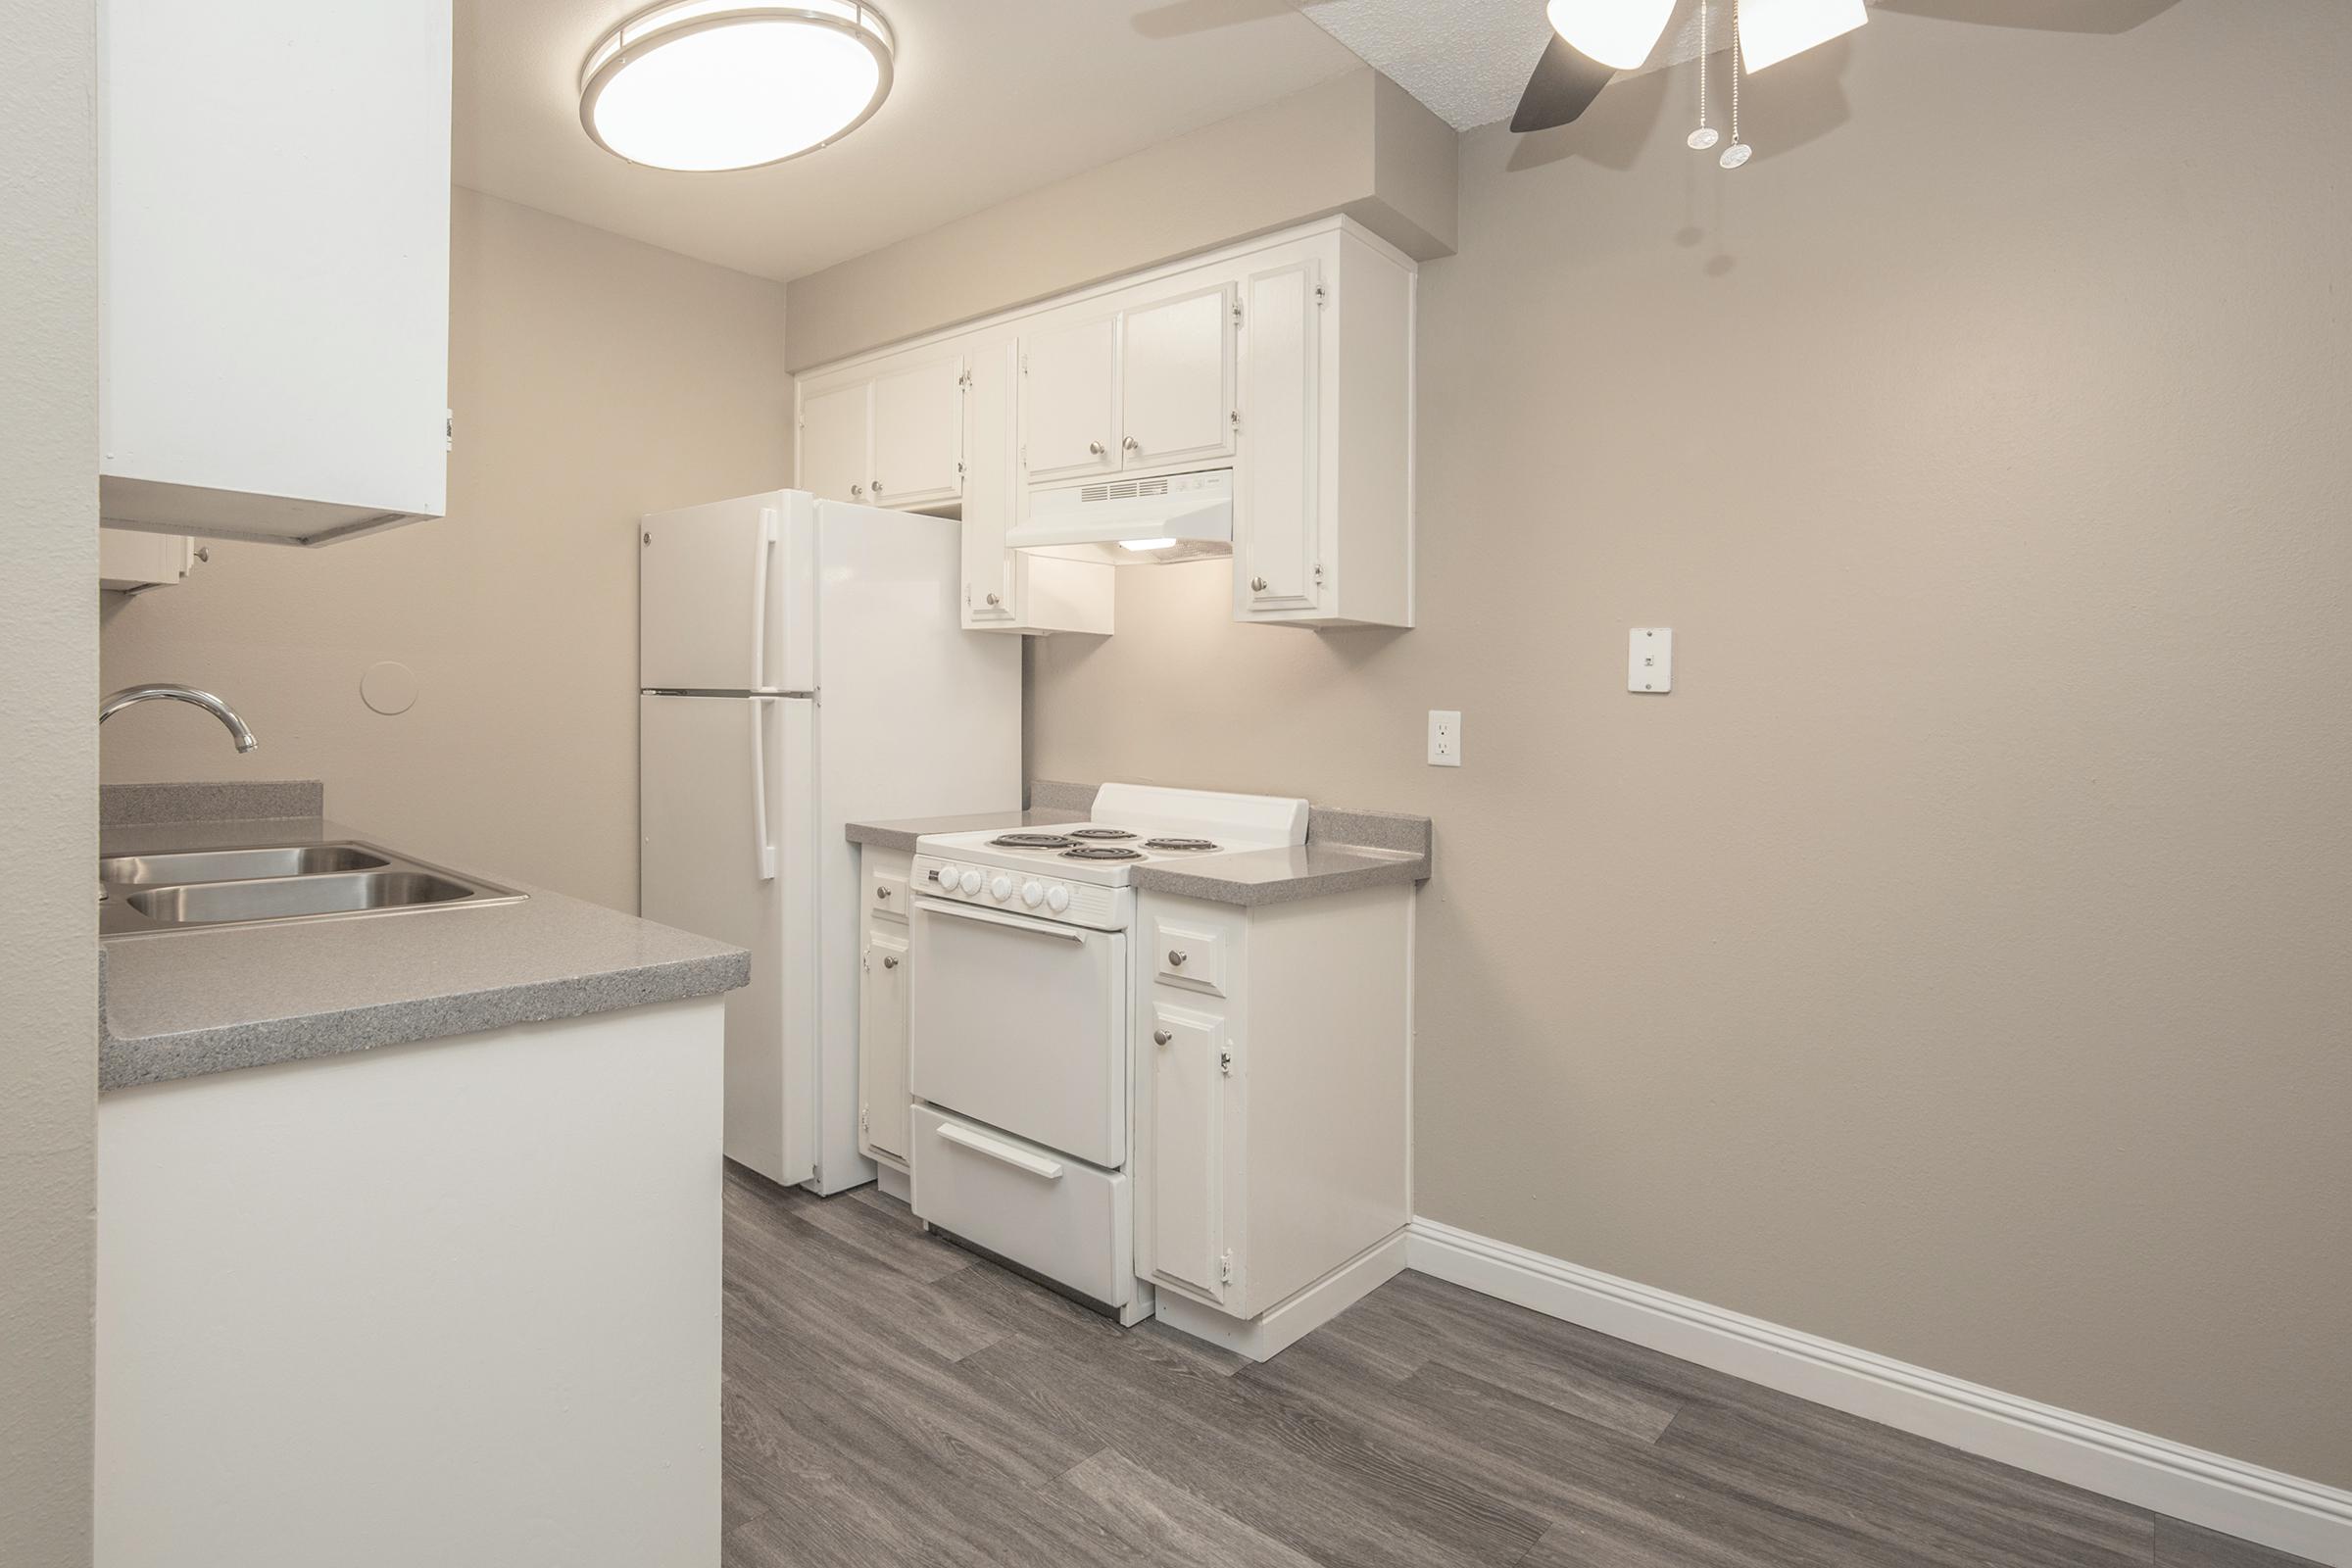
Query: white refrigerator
(802, 666)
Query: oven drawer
(1043, 1209)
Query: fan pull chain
(1706, 135)
(1739, 152)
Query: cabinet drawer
(1069, 1221)
(1194, 954)
(886, 884)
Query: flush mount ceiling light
(711, 84)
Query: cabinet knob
(883, 893)
(1176, 958)
(1131, 444)
(856, 491)
(1095, 447)
(1161, 1037)
(877, 487)
(890, 963)
(1257, 585)
(994, 600)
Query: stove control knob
(1000, 889)
(1057, 899)
(944, 877)
(1032, 894)
(970, 883)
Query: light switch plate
(1649, 660)
(1445, 737)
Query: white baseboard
(2280, 1511)
(1294, 1316)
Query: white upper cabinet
(275, 294)
(990, 486)
(1288, 360)
(918, 435)
(1323, 521)
(1069, 407)
(837, 456)
(1176, 380)
(1278, 545)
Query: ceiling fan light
(712, 84)
(1619, 33)
(1773, 30)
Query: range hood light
(710, 84)
(1153, 521)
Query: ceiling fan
(1591, 40)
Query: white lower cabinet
(885, 981)
(1187, 1099)
(1273, 1108)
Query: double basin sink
(202, 889)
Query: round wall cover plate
(389, 687)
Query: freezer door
(725, 595)
(728, 853)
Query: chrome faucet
(211, 704)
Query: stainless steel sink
(289, 897)
(207, 889)
(236, 865)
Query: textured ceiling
(992, 98)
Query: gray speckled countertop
(1344, 850)
(183, 1002)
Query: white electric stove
(1021, 1029)
(1072, 872)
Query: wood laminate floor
(893, 1399)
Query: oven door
(1022, 1024)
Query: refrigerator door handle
(763, 847)
(764, 556)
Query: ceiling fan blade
(1564, 85)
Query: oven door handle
(1002, 1152)
(1011, 922)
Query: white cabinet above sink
(275, 294)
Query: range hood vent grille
(1124, 490)
(1133, 522)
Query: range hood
(1133, 522)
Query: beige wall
(594, 379)
(1956, 963)
(48, 774)
(1357, 144)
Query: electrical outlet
(1445, 737)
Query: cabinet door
(1176, 378)
(1069, 400)
(274, 279)
(836, 442)
(1278, 521)
(882, 1041)
(991, 486)
(918, 435)
(1184, 1083)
